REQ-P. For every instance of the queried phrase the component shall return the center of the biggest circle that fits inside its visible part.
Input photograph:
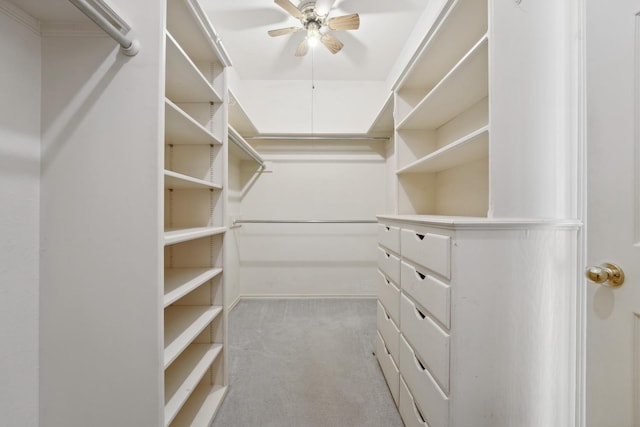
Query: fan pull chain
(313, 88)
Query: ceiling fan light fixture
(313, 33)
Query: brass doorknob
(606, 274)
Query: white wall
(231, 255)
(533, 160)
(100, 269)
(19, 228)
(309, 180)
(286, 107)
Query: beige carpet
(305, 363)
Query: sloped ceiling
(368, 54)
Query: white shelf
(178, 235)
(178, 282)
(238, 117)
(471, 147)
(178, 181)
(180, 128)
(182, 325)
(184, 81)
(190, 26)
(463, 25)
(201, 407)
(463, 86)
(183, 376)
(383, 123)
(242, 148)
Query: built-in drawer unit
(389, 368)
(389, 296)
(389, 331)
(432, 251)
(411, 415)
(433, 403)
(389, 264)
(432, 294)
(430, 342)
(389, 237)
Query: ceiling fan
(313, 16)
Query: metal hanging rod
(316, 138)
(105, 17)
(237, 139)
(304, 221)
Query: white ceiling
(368, 54)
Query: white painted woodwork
(409, 412)
(241, 148)
(100, 222)
(462, 87)
(430, 341)
(20, 113)
(178, 282)
(430, 250)
(182, 324)
(467, 149)
(388, 366)
(185, 234)
(389, 264)
(512, 299)
(425, 391)
(201, 407)
(180, 128)
(178, 181)
(389, 295)
(429, 292)
(389, 237)
(442, 129)
(389, 332)
(184, 81)
(183, 376)
(612, 214)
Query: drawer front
(390, 332)
(389, 296)
(389, 237)
(410, 414)
(429, 250)
(433, 404)
(389, 264)
(430, 342)
(389, 368)
(429, 292)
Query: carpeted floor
(305, 363)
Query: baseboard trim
(313, 296)
(234, 303)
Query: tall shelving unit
(442, 119)
(476, 234)
(195, 377)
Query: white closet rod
(304, 221)
(235, 137)
(316, 138)
(104, 17)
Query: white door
(613, 217)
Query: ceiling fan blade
(303, 48)
(333, 44)
(289, 7)
(346, 22)
(324, 6)
(283, 31)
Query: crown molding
(20, 16)
(70, 29)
